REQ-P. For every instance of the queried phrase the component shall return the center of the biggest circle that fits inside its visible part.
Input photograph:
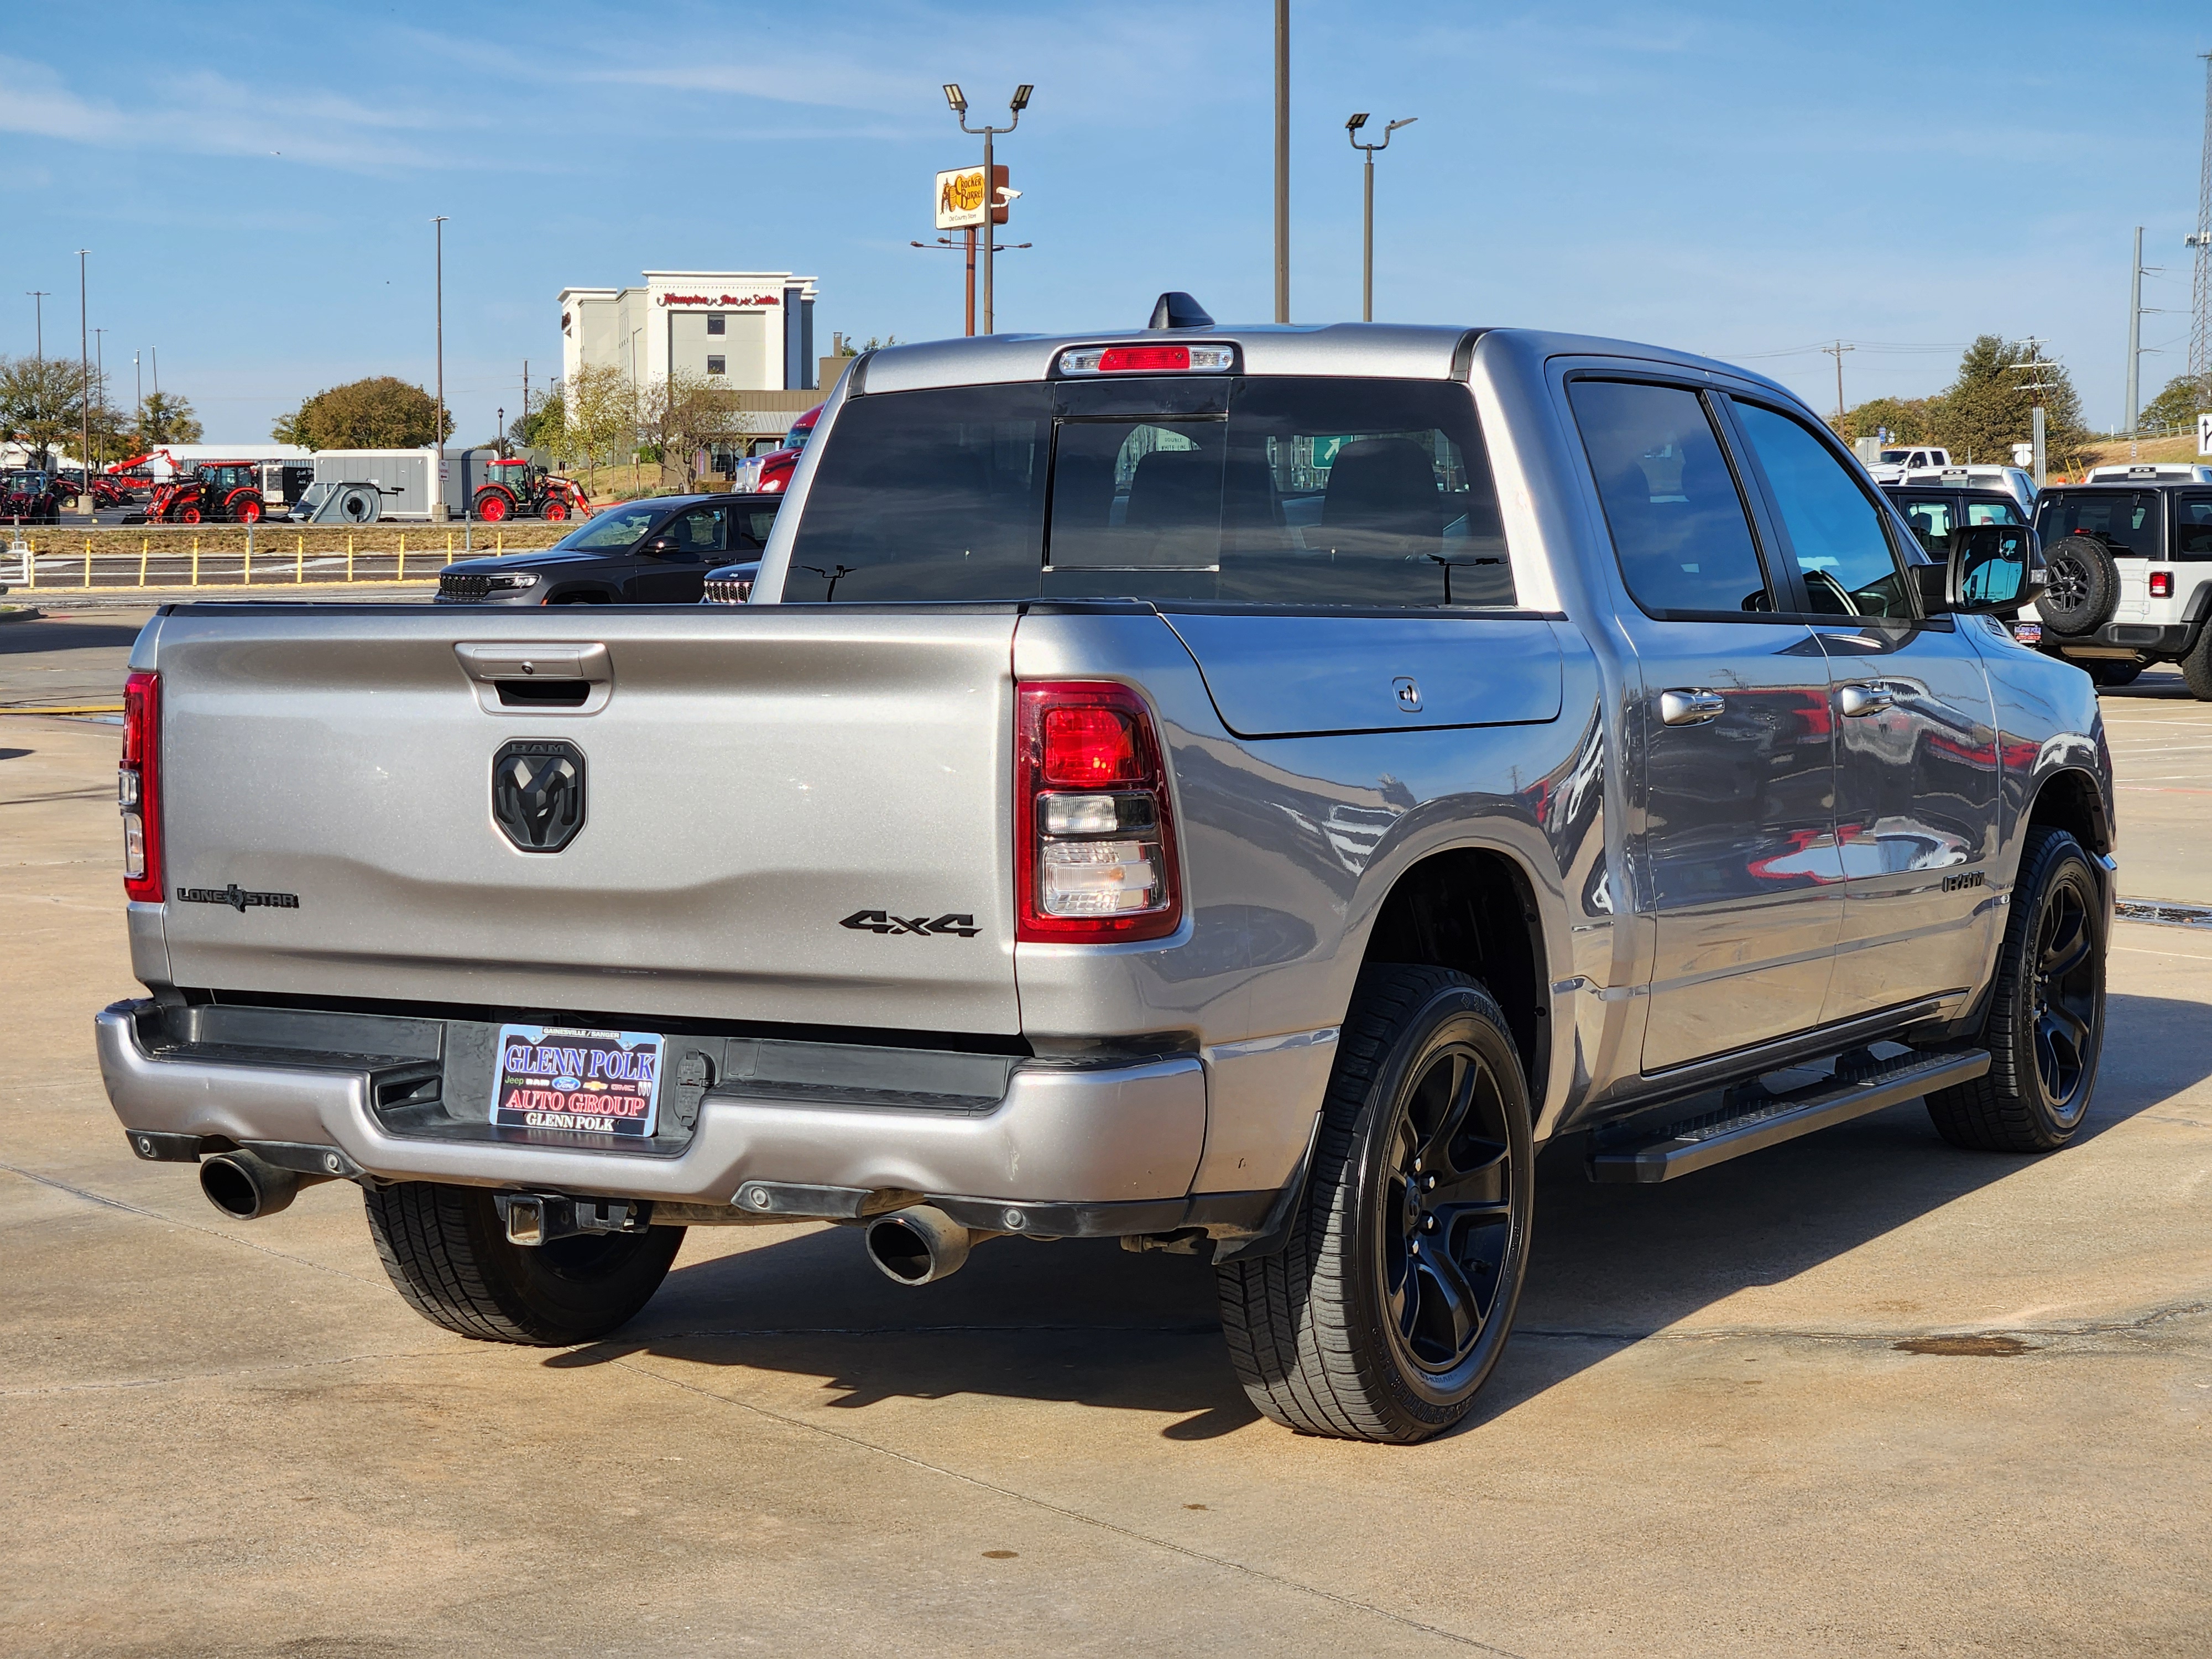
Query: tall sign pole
(1282, 160)
(996, 197)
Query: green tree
(382, 412)
(601, 411)
(2175, 409)
(542, 425)
(1987, 409)
(1907, 420)
(165, 418)
(42, 402)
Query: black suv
(650, 552)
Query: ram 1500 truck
(1237, 790)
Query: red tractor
(515, 489)
(214, 492)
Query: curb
(2162, 910)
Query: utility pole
(1282, 160)
(1837, 351)
(2200, 287)
(2136, 312)
(1367, 223)
(84, 386)
(438, 507)
(2038, 418)
(526, 394)
(992, 207)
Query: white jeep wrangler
(2131, 562)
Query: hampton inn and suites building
(750, 332)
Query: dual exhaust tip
(921, 1244)
(245, 1187)
(915, 1246)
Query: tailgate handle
(489, 663)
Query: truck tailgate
(789, 814)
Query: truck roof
(1389, 350)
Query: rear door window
(1993, 509)
(1835, 532)
(1679, 526)
(1289, 491)
(1931, 519)
(2192, 525)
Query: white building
(747, 331)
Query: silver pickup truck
(1237, 790)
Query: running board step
(1697, 1143)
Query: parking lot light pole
(1367, 240)
(439, 222)
(958, 101)
(84, 386)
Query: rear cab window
(1284, 491)
(2192, 525)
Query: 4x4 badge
(960, 925)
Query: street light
(438, 511)
(1367, 254)
(958, 101)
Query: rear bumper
(1060, 1139)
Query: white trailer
(405, 480)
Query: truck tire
(2197, 667)
(447, 1253)
(2085, 586)
(1388, 1306)
(2109, 675)
(2046, 1027)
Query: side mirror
(659, 547)
(1994, 570)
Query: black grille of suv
(461, 585)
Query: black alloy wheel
(1449, 1222)
(2046, 1026)
(2083, 588)
(2068, 994)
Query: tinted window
(928, 496)
(2126, 521)
(1835, 533)
(1276, 491)
(612, 528)
(694, 533)
(1678, 521)
(2192, 526)
(749, 528)
(1929, 518)
(715, 365)
(1993, 509)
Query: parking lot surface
(1861, 1394)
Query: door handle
(1691, 707)
(1866, 699)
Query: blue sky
(256, 182)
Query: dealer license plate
(599, 1083)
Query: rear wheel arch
(1474, 910)
(2070, 800)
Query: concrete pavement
(1737, 1418)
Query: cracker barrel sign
(960, 198)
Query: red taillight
(2161, 584)
(1143, 359)
(138, 787)
(1094, 831)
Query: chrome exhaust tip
(245, 1187)
(918, 1245)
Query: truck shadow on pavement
(1086, 1322)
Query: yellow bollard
(499, 541)
(349, 555)
(449, 547)
(401, 575)
(403, 543)
(145, 547)
(87, 561)
(299, 563)
(196, 561)
(247, 579)
(31, 564)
